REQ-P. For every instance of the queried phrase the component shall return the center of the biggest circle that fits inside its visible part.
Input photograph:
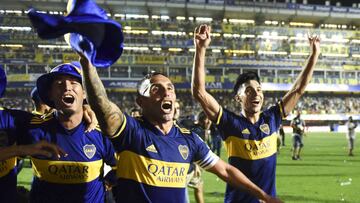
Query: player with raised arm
(154, 154)
(250, 138)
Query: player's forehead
(161, 79)
(250, 84)
(64, 77)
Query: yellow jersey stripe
(219, 116)
(182, 130)
(251, 149)
(36, 120)
(151, 171)
(98, 129)
(66, 172)
(122, 127)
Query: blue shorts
(297, 141)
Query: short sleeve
(203, 156)
(276, 113)
(127, 132)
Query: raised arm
(108, 114)
(298, 89)
(209, 104)
(236, 178)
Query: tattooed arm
(108, 114)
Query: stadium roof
(348, 3)
(249, 9)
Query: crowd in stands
(309, 104)
(178, 34)
(17, 99)
(30, 59)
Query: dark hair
(153, 73)
(135, 109)
(35, 96)
(243, 78)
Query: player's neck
(250, 116)
(70, 121)
(164, 127)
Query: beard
(160, 117)
(167, 117)
(66, 112)
(253, 110)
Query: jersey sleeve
(127, 132)
(15, 123)
(203, 156)
(225, 122)
(7, 120)
(276, 113)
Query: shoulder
(182, 130)
(229, 114)
(38, 120)
(271, 110)
(129, 120)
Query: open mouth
(68, 99)
(256, 102)
(166, 106)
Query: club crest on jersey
(89, 150)
(265, 128)
(184, 151)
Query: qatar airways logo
(69, 171)
(168, 174)
(253, 146)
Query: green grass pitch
(324, 175)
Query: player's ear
(139, 100)
(84, 94)
(237, 98)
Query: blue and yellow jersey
(252, 149)
(10, 135)
(77, 177)
(152, 167)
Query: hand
(314, 42)
(197, 170)
(108, 186)
(90, 118)
(42, 148)
(202, 36)
(85, 63)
